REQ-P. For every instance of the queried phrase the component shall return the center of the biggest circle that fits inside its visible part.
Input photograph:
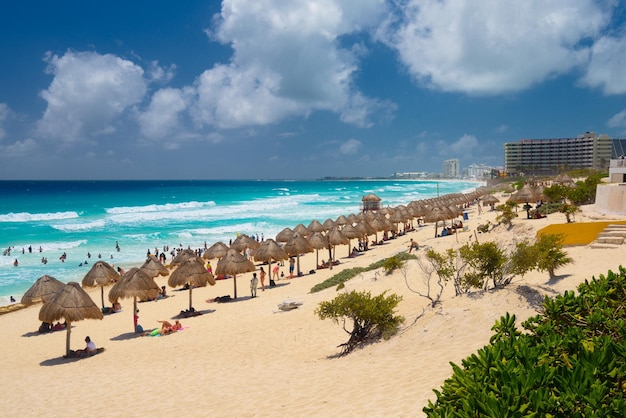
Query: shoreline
(74, 269)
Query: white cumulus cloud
(4, 115)
(288, 60)
(162, 118)
(19, 148)
(491, 46)
(351, 146)
(618, 120)
(607, 64)
(88, 92)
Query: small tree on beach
(507, 213)
(372, 318)
(569, 210)
(549, 253)
(486, 262)
(447, 266)
(434, 287)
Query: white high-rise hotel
(451, 168)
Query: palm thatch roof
(154, 267)
(135, 283)
(217, 250)
(71, 304)
(234, 263)
(45, 288)
(100, 274)
(193, 273)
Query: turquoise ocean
(45, 219)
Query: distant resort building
(451, 169)
(479, 171)
(552, 156)
(411, 175)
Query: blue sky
(266, 89)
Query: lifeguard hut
(371, 202)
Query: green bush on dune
(372, 318)
(388, 264)
(571, 361)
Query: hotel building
(451, 169)
(551, 156)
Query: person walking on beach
(262, 274)
(292, 265)
(275, 272)
(253, 284)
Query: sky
(275, 89)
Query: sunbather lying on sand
(219, 299)
(166, 328)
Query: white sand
(246, 358)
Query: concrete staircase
(612, 236)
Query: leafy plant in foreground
(570, 362)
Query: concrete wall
(611, 198)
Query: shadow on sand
(557, 279)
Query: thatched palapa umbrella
(154, 267)
(378, 224)
(243, 241)
(490, 200)
(301, 230)
(100, 274)
(526, 194)
(329, 224)
(217, 250)
(298, 245)
(45, 288)
(351, 232)
(342, 220)
(319, 241)
(234, 263)
(437, 214)
(135, 283)
(284, 235)
(182, 256)
(336, 237)
(72, 304)
(270, 251)
(314, 226)
(193, 273)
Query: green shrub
(507, 213)
(570, 362)
(373, 318)
(550, 254)
(347, 274)
(392, 263)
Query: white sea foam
(30, 217)
(259, 208)
(168, 207)
(80, 226)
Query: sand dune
(248, 358)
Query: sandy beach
(247, 358)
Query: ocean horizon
(84, 219)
